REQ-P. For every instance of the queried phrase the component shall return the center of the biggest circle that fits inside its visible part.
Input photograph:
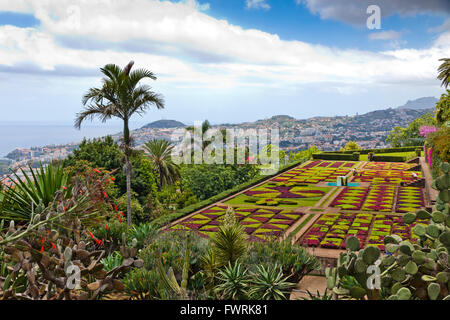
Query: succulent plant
(408, 270)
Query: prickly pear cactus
(407, 270)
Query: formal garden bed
(284, 195)
(350, 198)
(332, 229)
(409, 199)
(379, 176)
(311, 175)
(259, 223)
(389, 165)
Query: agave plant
(269, 283)
(33, 189)
(143, 233)
(234, 281)
(318, 295)
(230, 241)
(112, 261)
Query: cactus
(408, 271)
(168, 279)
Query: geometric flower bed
(350, 198)
(280, 194)
(259, 223)
(385, 176)
(389, 165)
(312, 175)
(332, 229)
(384, 225)
(409, 199)
(380, 198)
(330, 164)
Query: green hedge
(389, 158)
(386, 150)
(335, 156)
(166, 219)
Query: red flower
(65, 188)
(42, 249)
(122, 214)
(115, 207)
(107, 228)
(54, 247)
(43, 239)
(112, 178)
(98, 241)
(96, 170)
(105, 195)
(92, 236)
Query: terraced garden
(301, 201)
(258, 223)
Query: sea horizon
(27, 134)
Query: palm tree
(120, 96)
(444, 72)
(205, 127)
(160, 152)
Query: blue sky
(226, 61)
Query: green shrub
(170, 246)
(388, 158)
(333, 156)
(143, 284)
(293, 259)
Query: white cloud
(354, 12)
(257, 4)
(385, 35)
(164, 36)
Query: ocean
(32, 134)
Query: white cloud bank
(186, 47)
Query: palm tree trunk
(126, 138)
(128, 174)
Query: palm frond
(444, 72)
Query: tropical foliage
(160, 155)
(121, 96)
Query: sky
(227, 61)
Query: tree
(444, 72)
(351, 145)
(410, 136)
(121, 96)
(159, 153)
(205, 180)
(442, 111)
(105, 153)
(205, 127)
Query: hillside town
(327, 133)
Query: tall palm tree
(160, 152)
(205, 127)
(121, 96)
(444, 72)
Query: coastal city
(369, 130)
